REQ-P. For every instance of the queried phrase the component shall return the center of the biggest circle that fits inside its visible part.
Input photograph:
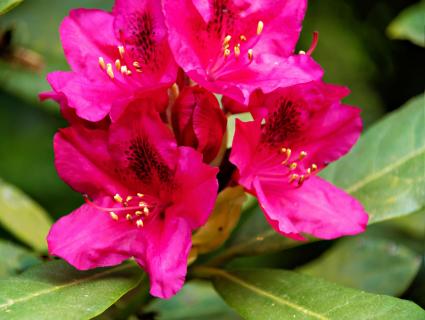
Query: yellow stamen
(118, 64)
(139, 223)
(146, 210)
(142, 204)
(303, 154)
(260, 27)
(102, 63)
(124, 70)
(242, 37)
(122, 51)
(293, 177)
(113, 215)
(129, 198)
(109, 71)
(118, 198)
(301, 52)
(314, 167)
(250, 54)
(128, 216)
(226, 52)
(237, 51)
(293, 166)
(136, 64)
(138, 213)
(227, 39)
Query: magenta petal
(88, 238)
(86, 35)
(167, 244)
(197, 190)
(317, 208)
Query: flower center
(297, 170)
(119, 65)
(134, 209)
(236, 53)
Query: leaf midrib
(266, 294)
(69, 284)
(378, 174)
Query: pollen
(118, 64)
(121, 51)
(118, 198)
(113, 215)
(293, 177)
(237, 51)
(242, 37)
(109, 71)
(293, 166)
(124, 70)
(226, 52)
(146, 210)
(138, 213)
(314, 167)
(102, 63)
(129, 198)
(227, 39)
(129, 216)
(301, 52)
(139, 223)
(260, 27)
(250, 54)
(302, 155)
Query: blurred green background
(354, 48)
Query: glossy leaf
(56, 290)
(7, 5)
(222, 221)
(15, 259)
(277, 294)
(409, 24)
(385, 170)
(197, 300)
(23, 217)
(368, 263)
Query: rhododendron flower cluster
(147, 99)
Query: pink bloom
(115, 57)
(233, 47)
(199, 122)
(145, 195)
(296, 132)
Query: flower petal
(317, 208)
(89, 238)
(166, 245)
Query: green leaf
(368, 263)
(197, 300)
(23, 217)
(409, 25)
(15, 259)
(56, 290)
(277, 294)
(385, 170)
(7, 5)
(231, 125)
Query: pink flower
(233, 47)
(296, 132)
(145, 195)
(115, 57)
(199, 122)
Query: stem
(202, 272)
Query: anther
(138, 213)
(140, 195)
(124, 70)
(142, 204)
(136, 64)
(139, 223)
(118, 198)
(129, 198)
(260, 27)
(303, 154)
(109, 71)
(242, 37)
(146, 210)
(227, 39)
(226, 52)
(237, 51)
(314, 167)
(301, 52)
(293, 166)
(301, 181)
(102, 63)
(128, 216)
(293, 177)
(113, 215)
(250, 54)
(121, 51)
(118, 64)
